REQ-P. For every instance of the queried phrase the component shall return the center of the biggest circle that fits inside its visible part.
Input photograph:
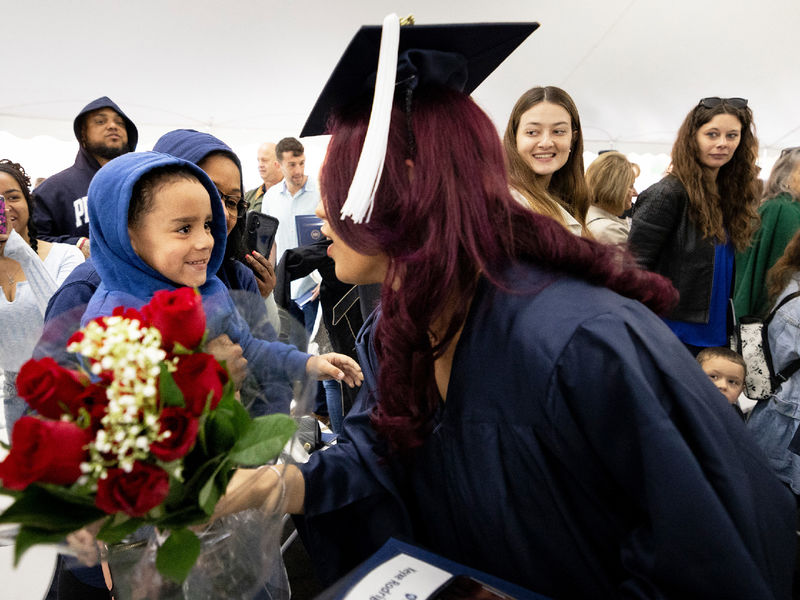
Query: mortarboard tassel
(361, 196)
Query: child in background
(727, 370)
(157, 223)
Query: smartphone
(260, 232)
(3, 226)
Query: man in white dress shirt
(295, 196)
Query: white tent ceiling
(249, 70)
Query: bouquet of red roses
(147, 432)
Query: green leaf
(30, 536)
(233, 409)
(171, 394)
(263, 440)
(178, 348)
(177, 555)
(81, 496)
(41, 509)
(118, 528)
(212, 491)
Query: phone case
(3, 225)
(260, 231)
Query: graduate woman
(523, 412)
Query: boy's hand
(335, 366)
(223, 349)
(264, 272)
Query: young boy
(157, 222)
(727, 370)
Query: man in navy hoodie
(103, 132)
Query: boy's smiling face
(174, 236)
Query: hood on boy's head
(119, 267)
(194, 146)
(106, 102)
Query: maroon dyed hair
(441, 226)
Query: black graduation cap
(460, 56)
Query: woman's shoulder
(62, 252)
(779, 203)
(669, 186)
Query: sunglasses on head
(715, 101)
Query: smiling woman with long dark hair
(688, 225)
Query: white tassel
(361, 196)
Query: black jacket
(665, 240)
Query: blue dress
(581, 453)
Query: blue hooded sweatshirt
(126, 280)
(59, 212)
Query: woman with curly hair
(780, 219)
(688, 226)
(543, 146)
(524, 413)
(30, 272)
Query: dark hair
(567, 185)
(779, 276)
(725, 205)
(148, 185)
(24, 181)
(453, 221)
(721, 352)
(288, 144)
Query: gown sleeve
(709, 518)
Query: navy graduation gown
(581, 453)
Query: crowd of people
(547, 388)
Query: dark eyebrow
(539, 123)
(184, 220)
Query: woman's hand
(261, 488)
(335, 366)
(264, 272)
(271, 488)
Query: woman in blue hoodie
(124, 197)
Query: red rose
(182, 427)
(50, 389)
(134, 493)
(45, 451)
(178, 315)
(200, 376)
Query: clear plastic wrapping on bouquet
(240, 560)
